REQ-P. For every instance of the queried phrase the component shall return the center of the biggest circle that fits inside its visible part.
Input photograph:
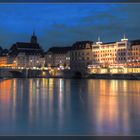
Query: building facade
(110, 54)
(3, 57)
(27, 55)
(58, 57)
(115, 56)
(81, 56)
(133, 59)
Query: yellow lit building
(115, 57)
(3, 61)
(4, 58)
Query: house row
(81, 56)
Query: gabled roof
(135, 42)
(4, 52)
(59, 50)
(81, 45)
(27, 48)
(27, 45)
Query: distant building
(1, 50)
(117, 56)
(116, 53)
(108, 54)
(133, 58)
(24, 54)
(3, 57)
(58, 57)
(81, 56)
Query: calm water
(69, 107)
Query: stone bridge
(33, 73)
(21, 73)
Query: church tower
(34, 38)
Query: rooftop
(4, 52)
(27, 48)
(82, 45)
(59, 50)
(135, 42)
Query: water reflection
(113, 102)
(64, 106)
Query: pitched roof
(27, 45)
(135, 42)
(27, 48)
(81, 45)
(4, 52)
(59, 50)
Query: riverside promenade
(31, 73)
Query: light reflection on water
(69, 107)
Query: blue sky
(63, 24)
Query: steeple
(34, 32)
(98, 42)
(124, 38)
(34, 38)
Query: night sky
(63, 24)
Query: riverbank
(115, 76)
(92, 76)
(67, 74)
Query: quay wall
(130, 76)
(31, 73)
(8, 73)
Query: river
(69, 107)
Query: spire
(34, 38)
(98, 42)
(34, 32)
(98, 38)
(124, 38)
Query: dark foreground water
(69, 107)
